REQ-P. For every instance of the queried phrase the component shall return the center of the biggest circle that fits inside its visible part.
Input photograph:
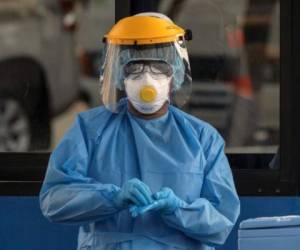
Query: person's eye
(134, 68)
(161, 68)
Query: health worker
(139, 173)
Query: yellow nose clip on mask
(148, 94)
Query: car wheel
(20, 130)
(24, 108)
(14, 126)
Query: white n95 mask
(146, 92)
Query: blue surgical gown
(102, 150)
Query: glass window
(94, 21)
(47, 55)
(234, 58)
(49, 78)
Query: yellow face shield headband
(143, 30)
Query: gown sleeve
(68, 195)
(210, 218)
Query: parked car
(38, 70)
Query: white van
(38, 70)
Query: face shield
(117, 58)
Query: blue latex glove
(134, 192)
(137, 210)
(164, 200)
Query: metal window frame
(22, 173)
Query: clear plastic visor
(120, 60)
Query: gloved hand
(134, 192)
(164, 200)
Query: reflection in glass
(45, 44)
(234, 58)
(14, 130)
(41, 42)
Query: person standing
(137, 172)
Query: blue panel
(22, 225)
